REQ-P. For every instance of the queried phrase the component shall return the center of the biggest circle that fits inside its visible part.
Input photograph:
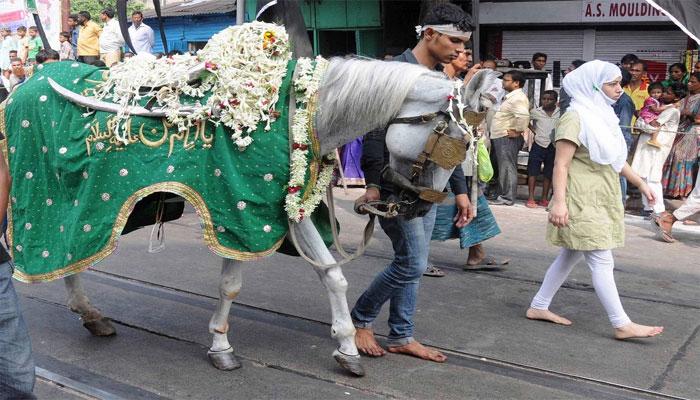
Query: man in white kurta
(111, 40)
(141, 34)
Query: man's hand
(371, 194)
(646, 192)
(471, 72)
(465, 212)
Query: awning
(685, 14)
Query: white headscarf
(600, 127)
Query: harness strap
(366, 237)
(419, 119)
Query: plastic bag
(484, 167)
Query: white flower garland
(246, 65)
(306, 86)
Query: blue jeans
(623, 189)
(16, 363)
(399, 281)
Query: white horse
(356, 96)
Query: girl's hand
(558, 214)
(646, 192)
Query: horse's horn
(100, 105)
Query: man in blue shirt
(74, 29)
(624, 109)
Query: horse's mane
(358, 95)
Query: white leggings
(601, 264)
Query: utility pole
(65, 12)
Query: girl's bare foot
(367, 344)
(633, 330)
(546, 315)
(416, 349)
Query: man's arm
(372, 160)
(151, 37)
(465, 211)
(521, 115)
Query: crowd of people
(86, 41)
(578, 139)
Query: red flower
(210, 66)
(234, 101)
(299, 146)
(450, 97)
(293, 189)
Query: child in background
(651, 111)
(543, 120)
(66, 50)
(23, 42)
(34, 44)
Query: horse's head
(426, 143)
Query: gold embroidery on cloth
(109, 135)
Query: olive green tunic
(596, 214)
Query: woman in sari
(679, 168)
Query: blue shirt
(624, 109)
(74, 39)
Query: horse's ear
(478, 85)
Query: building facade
(581, 29)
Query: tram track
(583, 287)
(571, 383)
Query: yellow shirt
(513, 114)
(89, 39)
(638, 96)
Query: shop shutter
(559, 45)
(664, 47)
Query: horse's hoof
(349, 363)
(100, 327)
(224, 360)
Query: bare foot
(633, 330)
(367, 344)
(546, 315)
(416, 349)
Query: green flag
(31, 6)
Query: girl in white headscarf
(586, 215)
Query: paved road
(161, 304)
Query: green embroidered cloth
(74, 187)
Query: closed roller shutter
(664, 46)
(559, 45)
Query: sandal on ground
(434, 271)
(487, 262)
(661, 234)
(531, 204)
(543, 203)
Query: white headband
(447, 29)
